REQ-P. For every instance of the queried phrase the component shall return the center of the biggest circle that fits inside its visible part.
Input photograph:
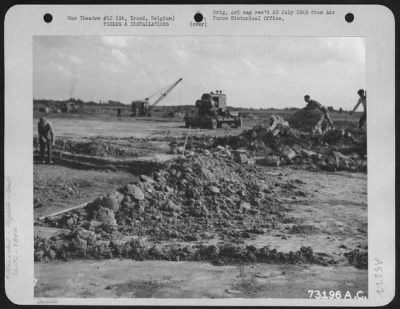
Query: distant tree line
(47, 102)
(78, 102)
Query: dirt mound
(197, 198)
(305, 119)
(206, 190)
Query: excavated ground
(196, 198)
(247, 198)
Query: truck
(212, 112)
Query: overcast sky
(252, 71)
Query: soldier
(46, 139)
(362, 100)
(312, 104)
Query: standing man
(362, 100)
(46, 138)
(312, 104)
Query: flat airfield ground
(336, 205)
(82, 127)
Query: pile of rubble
(83, 244)
(205, 204)
(358, 258)
(279, 144)
(305, 119)
(205, 197)
(180, 200)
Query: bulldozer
(212, 113)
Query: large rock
(85, 234)
(51, 254)
(277, 124)
(171, 206)
(245, 206)
(272, 160)
(79, 243)
(145, 178)
(214, 189)
(134, 191)
(105, 215)
(111, 202)
(242, 156)
(71, 222)
(39, 255)
(342, 161)
(308, 153)
(118, 195)
(305, 119)
(287, 152)
(109, 228)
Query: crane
(142, 107)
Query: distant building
(41, 106)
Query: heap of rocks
(83, 244)
(207, 192)
(196, 198)
(278, 144)
(305, 119)
(358, 258)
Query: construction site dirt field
(126, 127)
(167, 211)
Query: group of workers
(47, 139)
(325, 117)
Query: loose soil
(331, 219)
(282, 228)
(58, 187)
(161, 279)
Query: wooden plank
(64, 210)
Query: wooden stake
(63, 211)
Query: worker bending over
(46, 139)
(311, 105)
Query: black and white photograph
(180, 167)
(199, 155)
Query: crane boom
(165, 93)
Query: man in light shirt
(363, 101)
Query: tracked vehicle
(212, 113)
